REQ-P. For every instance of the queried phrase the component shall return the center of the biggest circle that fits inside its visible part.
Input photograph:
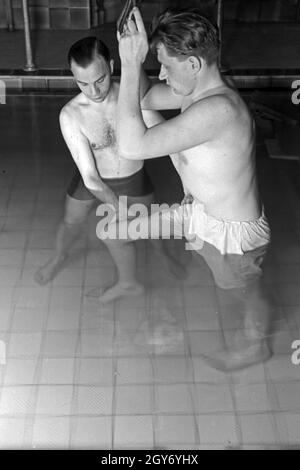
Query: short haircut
(186, 33)
(84, 51)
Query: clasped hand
(133, 42)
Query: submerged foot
(229, 361)
(47, 272)
(121, 290)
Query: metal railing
(9, 15)
(30, 65)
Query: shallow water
(81, 375)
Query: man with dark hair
(88, 124)
(213, 138)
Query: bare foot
(229, 361)
(47, 272)
(121, 290)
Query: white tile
(51, 433)
(174, 430)
(63, 320)
(218, 429)
(16, 400)
(134, 370)
(69, 278)
(37, 257)
(22, 208)
(32, 297)
(289, 426)
(94, 400)
(60, 344)
(12, 433)
(11, 257)
(24, 344)
(57, 371)
(65, 298)
(213, 398)
(97, 344)
(288, 396)
(92, 433)
(257, 429)
(27, 319)
(20, 223)
(20, 371)
(253, 397)
(9, 276)
(133, 400)
(12, 240)
(54, 400)
(173, 370)
(6, 314)
(141, 432)
(95, 371)
(173, 399)
(6, 297)
(281, 368)
(42, 239)
(23, 195)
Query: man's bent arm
(84, 159)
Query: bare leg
(124, 256)
(76, 212)
(252, 345)
(123, 253)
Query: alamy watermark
(296, 354)
(2, 92)
(142, 222)
(2, 353)
(296, 93)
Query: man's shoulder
(227, 104)
(69, 112)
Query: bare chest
(100, 131)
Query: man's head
(185, 42)
(91, 65)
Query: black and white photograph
(149, 227)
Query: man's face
(177, 73)
(95, 80)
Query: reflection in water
(244, 309)
(238, 280)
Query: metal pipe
(30, 66)
(220, 26)
(9, 15)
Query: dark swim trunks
(136, 185)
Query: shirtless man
(214, 135)
(88, 126)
